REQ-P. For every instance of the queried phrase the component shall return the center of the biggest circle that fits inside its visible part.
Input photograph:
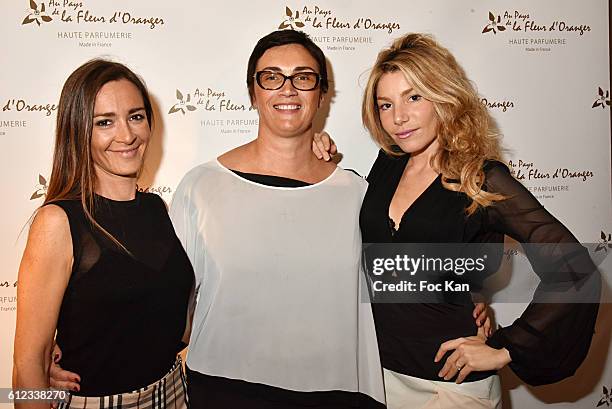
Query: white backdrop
(542, 68)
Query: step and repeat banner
(541, 67)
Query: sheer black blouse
(123, 315)
(547, 343)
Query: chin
(290, 132)
(126, 172)
(412, 146)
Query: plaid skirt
(170, 392)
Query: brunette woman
(102, 265)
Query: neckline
(120, 203)
(237, 176)
(415, 202)
(271, 180)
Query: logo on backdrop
(494, 25)
(182, 104)
(521, 21)
(291, 20)
(40, 189)
(498, 105)
(546, 182)
(606, 397)
(522, 28)
(68, 11)
(160, 190)
(603, 99)
(323, 18)
(37, 14)
(100, 28)
(208, 100)
(605, 242)
(8, 303)
(334, 31)
(217, 110)
(19, 105)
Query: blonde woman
(438, 179)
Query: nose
(124, 134)
(400, 115)
(287, 89)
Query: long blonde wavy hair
(465, 131)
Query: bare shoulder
(50, 229)
(48, 252)
(50, 218)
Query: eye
(104, 123)
(303, 76)
(137, 117)
(415, 97)
(270, 76)
(384, 106)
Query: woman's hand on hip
(470, 354)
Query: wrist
(504, 356)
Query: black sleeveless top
(123, 315)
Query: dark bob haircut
(285, 37)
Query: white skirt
(408, 392)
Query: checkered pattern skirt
(170, 392)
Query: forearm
(31, 373)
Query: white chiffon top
(277, 281)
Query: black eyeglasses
(273, 80)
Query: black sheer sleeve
(552, 337)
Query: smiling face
(406, 116)
(286, 112)
(120, 131)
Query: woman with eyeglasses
(278, 321)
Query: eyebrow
(131, 111)
(403, 94)
(296, 69)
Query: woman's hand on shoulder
(470, 354)
(323, 146)
(482, 315)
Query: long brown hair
(72, 175)
(465, 131)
